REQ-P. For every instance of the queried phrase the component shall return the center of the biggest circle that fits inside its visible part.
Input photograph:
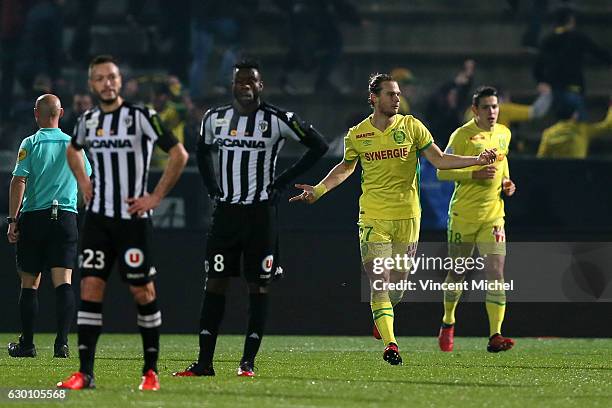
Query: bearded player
(387, 145)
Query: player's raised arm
(334, 178)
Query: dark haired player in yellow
(476, 213)
(388, 146)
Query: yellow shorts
(387, 238)
(490, 237)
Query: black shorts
(242, 235)
(45, 243)
(106, 240)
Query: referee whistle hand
(12, 233)
(486, 173)
(142, 204)
(307, 194)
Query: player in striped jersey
(120, 138)
(249, 134)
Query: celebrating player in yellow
(387, 145)
(476, 214)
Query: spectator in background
(444, 113)
(11, 28)
(315, 42)
(445, 107)
(81, 102)
(81, 40)
(173, 115)
(214, 21)
(405, 80)
(560, 62)
(40, 51)
(569, 138)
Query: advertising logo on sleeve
(134, 257)
(22, 154)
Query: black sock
(64, 309)
(213, 308)
(149, 321)
(28, 308)
(258, 312)
(89, 322)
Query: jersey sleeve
(22, 167)
(79, 133)
(292, 126)
(422, 137)
(350, 153)
(153, 128)
(206, 130)
(600, 128)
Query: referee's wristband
(319, 190)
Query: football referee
(45, 232)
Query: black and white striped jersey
(119, 145)
(248, 148)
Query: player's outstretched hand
(307, 195)
(487, 157)
(142, 204)
(508, 187)
(486, 173)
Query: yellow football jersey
(569, 139)
(390, 166)
(477, 200)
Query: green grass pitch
(308, 371)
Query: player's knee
(218, 286)
(495, 267)
(60, 276)
(92, 289)
(143, 294)
(29, 281)
(256, 288)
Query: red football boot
(391, 354)
(446, 338)
(77, 381)
(150, 381)
(245, 369)
(195, 370)
(376, 333)
(499, 343)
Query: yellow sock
(451, 300)
(382, 312)
(495, 302)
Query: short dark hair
(563, 15)
(375, 84)
(102, 59)
(248, 63)
(483, 92)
